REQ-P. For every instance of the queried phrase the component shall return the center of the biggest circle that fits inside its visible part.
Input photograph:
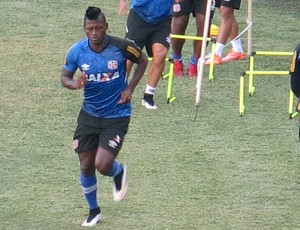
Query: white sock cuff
(150, 89)
(237, 45)
(219, 49)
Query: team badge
(112, 64)
(176, 7)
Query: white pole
(249, 25)
(200, 64)
(250, 29)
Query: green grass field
(220, 171)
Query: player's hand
(125, 96)
(81, 80)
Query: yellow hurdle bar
(258, 72)
(213, 47)
(251, 72)
(251, 88)
(166, 59)
(251, 76)
(186, 37)
(170, 76)
(170, 97)
(273, 53)
(211, 66)
(291, 102)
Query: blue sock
(177, 57)
(89, 187)
(193, 60)
(116, 169)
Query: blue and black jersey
(106, 73)
(153, 11)
(295, 71)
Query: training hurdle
(213, 47)
(251, 72)
(170, 76)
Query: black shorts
(185, 7)
(145, 34)
(235, 4)
(93, 132)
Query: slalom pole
(200, 64)
(250, 29)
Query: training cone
(214, 30)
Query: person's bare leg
(227, 20)
(200, 20)
(154, 74)
(225, 30)
(192, 69)
(157, 65)
(237, 52)
(235, 29)
(179, 25)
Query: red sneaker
(217, 60)
(178, 68)
(232, 56)
(192, 71)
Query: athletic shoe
(120, 185)
(192, 71)
(217, 60)
(148, 102)
(232, 56)
(93, 218)
(178, 68)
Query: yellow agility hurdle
(170, 76)
(213, 47)
(251, 72)
(251, 67)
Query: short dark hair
(93, 13)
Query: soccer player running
(105, 114)
(228, 29)
(149, 25)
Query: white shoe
(148, 104)
(92, 220)
(118, 195)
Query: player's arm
(139, 71)
(67, 80)
(123, 9)
(135, 55)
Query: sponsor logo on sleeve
(134, 51)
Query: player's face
(95, 30)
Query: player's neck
(98, 46)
